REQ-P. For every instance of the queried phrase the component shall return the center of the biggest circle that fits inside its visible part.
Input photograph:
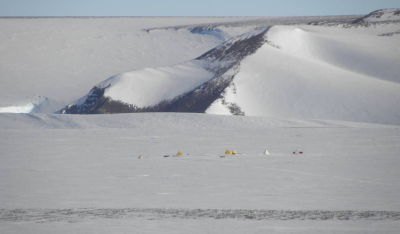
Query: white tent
(266, 152)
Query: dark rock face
(218, 61)
(94, 99)
(236, 50)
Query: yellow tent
(179, 153)
(234, 152)
(228, 151)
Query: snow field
(112, 176)
(52, 163)
(151, 224)
(60, 162)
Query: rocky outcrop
(223, 61)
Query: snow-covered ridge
(188, 87)
(381, 16)
(63, 58)
(228, 30)
(320, 72)
(287, 67)
(296, 71)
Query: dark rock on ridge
(375, 14)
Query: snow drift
(35, 104)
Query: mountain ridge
(346, 51)
(227, 56)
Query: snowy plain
(82, 174)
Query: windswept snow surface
(63, 173)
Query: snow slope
(139, 87)
(317, 72)
(82, 173)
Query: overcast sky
(191, 7)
